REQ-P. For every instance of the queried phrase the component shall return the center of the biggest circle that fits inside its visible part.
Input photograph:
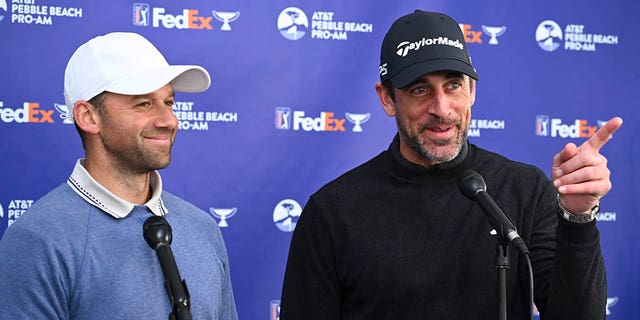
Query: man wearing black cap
(395, 239)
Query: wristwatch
(579, 218)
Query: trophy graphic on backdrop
(64, 113)
(3, 5)
(494, 32)
(225, 18)
(357, 119)
(610, 303)
(223, 215)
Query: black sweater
(393, 240)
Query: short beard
(417, 143)
(136, 160)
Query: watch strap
(579, 218)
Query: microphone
(472, 186)
(157, 233)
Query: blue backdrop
(293, 81)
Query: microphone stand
(157, 233)
(502, 264)
(176, 290)
(472, 186)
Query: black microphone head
(156, 231)
(470, 183)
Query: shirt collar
(95, 194)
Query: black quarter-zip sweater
(394, 240)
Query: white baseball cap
(125, 63)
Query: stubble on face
(128, 151)
(433, 151)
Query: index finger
(604, 134)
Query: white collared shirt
(90, 190)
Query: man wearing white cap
(79, 252)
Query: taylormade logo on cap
(421, 43)
(405, 46)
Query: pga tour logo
(140, 14)
(542, 125)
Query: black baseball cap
(420, 43)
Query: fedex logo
(30, 112)
(554, 127)
(470, 36)
(189, 19)
(325, 122)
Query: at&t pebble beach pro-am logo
(549, 36)
(15, 210)
(478, 125)
(286, 214)
(189, 118)
(30, 12)
(293, 24)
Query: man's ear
(385, 99)
(86, 117)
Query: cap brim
(183, 78)
(419, 69)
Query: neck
(130, 186)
